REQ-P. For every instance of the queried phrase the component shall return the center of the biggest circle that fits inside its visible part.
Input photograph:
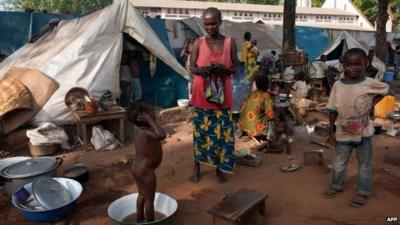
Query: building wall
(347, 6)
(246, 16)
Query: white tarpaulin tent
(86, 52)
(345, 41)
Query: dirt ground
(294, 198)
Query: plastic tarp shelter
(18, 27)
(344, 42)
(312, 40)
(86, 52)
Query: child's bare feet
(220, 176)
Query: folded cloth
(215, 91)
(13, 95)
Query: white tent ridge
(86, 52)
(351, 42)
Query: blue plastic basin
(388, 76)
(42, 215)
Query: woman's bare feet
(196, 173)
(220, 176)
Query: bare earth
(294, 198)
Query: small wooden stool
(244, 207)
(83, 119)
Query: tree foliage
(56, 6)
(317, 3)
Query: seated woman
(257, 114)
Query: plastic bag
(103, 139)
(48, 133)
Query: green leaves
(56, 6)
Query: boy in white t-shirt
(350, 104)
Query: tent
(236, 30)
(312, 40)
(86, 52)
(345, 41)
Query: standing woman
(214, 57)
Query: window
(181, 11)
(269, 15)
(352, 18)
(251, 14)
(245, 14)
(317, 17)
(175, 11)
(265, 15)
(235, 14)
(274, 15)
(240, 14)
(169, 11)
(279, 15)
(186, 11)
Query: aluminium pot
(18, 174)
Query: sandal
(359, 200)
(291, 167)
(331, 192)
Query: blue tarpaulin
(312, 40)
(166, 86)
(18, 27)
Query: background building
(334, 14)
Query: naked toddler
(147, 136)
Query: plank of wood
(322, 144)
(238, 204)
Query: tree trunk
(380, 43)
(289, 20)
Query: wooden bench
(83, 119)
(244, 207)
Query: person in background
(135, 80)
(300, 89)
(390, 54)
(185, 56)
(268, 63)
(350, 105)
(371, 70)
(244, 48)
(125, 75)
(251, 65)
(213, 129)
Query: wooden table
(244, 207)
(83, 119)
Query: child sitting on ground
(279, 142)
(147, 137)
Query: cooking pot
(9, 161)
(18, 174)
